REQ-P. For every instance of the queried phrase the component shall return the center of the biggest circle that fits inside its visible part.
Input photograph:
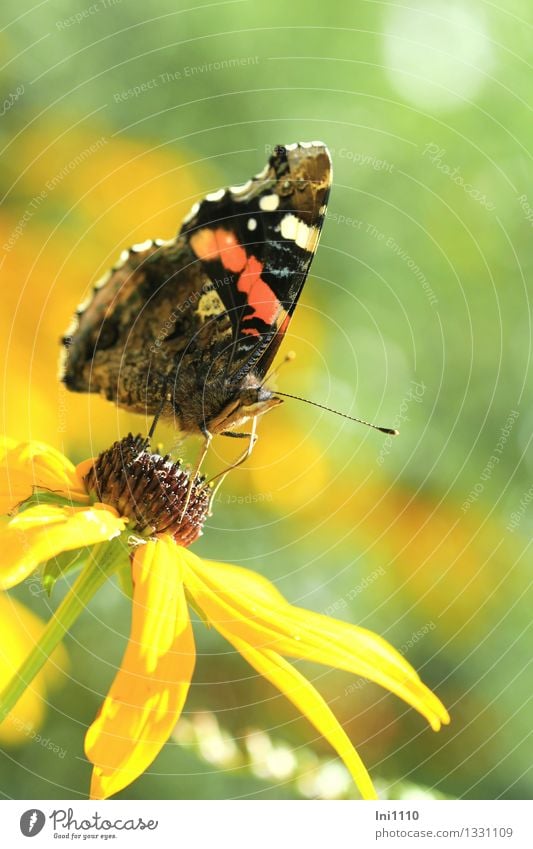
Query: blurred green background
(116, 118)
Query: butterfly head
(252, 399)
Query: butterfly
(187, 329)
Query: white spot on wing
(297, 231)
(73, 326)
(195, 208)
(123, 258)
(142, 246)
(289, 225)
(269, 203)
(252, 224)
(214, 196)
(102, 281)
(312, 239)
(264, 173)
(241, 190)
(80, 309)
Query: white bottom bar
(268, 824)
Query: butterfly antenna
(391, 431)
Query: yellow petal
(20, 629)
(310, 703)
(85, 466)
(6, 444)
(41, 532)
(149, 691)
(25, 465)
(249, 607)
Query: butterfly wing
(125, 340)
(256, 243)
(215, 301)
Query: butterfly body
(187, 328)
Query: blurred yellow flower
(21, 629)
(135, 496)
(97, 209)
(28, 465)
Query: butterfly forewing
(198, 319)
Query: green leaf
(124, 577)
(46, 496)
(201, 615)
(63, 564)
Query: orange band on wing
(232, 254)
(204, 244)
(260, 296)
(210, 244)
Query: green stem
(107, 556)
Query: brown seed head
(149, 489)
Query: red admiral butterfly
(188, 328)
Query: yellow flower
(28, 465)
(21, 629)
(134, 499)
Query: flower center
(150, 490)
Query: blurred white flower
(437, 53)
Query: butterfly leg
(205, 448)
(252, 437)
(166, 398)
